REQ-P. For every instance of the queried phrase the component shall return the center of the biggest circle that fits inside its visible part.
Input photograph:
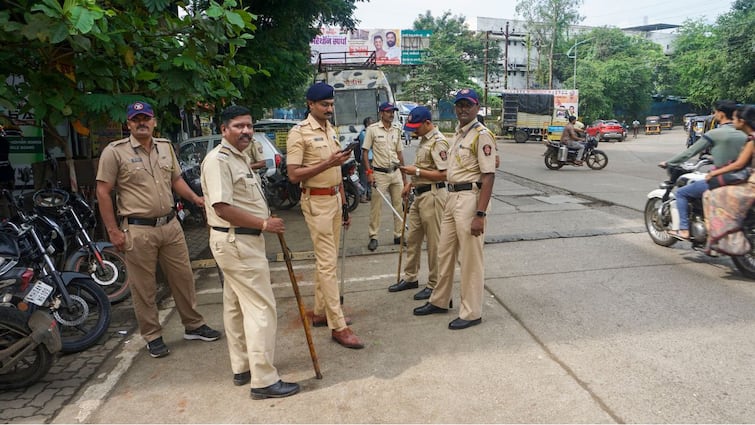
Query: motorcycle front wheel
(34, 365)
(655, 223)
(551, 160)
(86, 319)
(597, 160)
(113, 277)
(352, 197)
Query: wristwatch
(481, 214)
(416, 173)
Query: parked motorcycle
(188, 212)
(661, 214)
(27, 341)
(75, 300)
(351, 186)
(280, 193)
(76, 250)
(557, 155)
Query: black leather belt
(154, 222)
(239, 230)
(425, 187)
(385, 170)
(459, 187)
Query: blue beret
(320, 91)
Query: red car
(607, 130)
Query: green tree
(281, 47)
(712, 62)
(549, 19)
(79, 61)
(456, 54)
(616, 73)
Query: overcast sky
(400, 14)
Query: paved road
(585, 321)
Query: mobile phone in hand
(350, 147)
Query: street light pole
(568, 54)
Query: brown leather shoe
(318, 321)
(347, 338)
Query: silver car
(192, 151)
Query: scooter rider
(571, 139)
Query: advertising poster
(336, 46)
(26, 145)
(566, 104)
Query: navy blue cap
(387, 106)
(417, 116)
(137, 108)
(467, 94)
(320, 91)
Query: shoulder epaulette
(162, 140)
(118, 142)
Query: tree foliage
(712, 62)
(616, 74)
(549, 20)
(456, 55)
(83, 61)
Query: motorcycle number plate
(354, 178)
(38, 293)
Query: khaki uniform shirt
(432, 154)
(472, 153)
(308, 143)
(227, 178)
(385, 144)
(143, 180)
(254, 151)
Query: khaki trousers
(424, 223)
(323, 217)
(391, 185)
(145, 246)
(456, 236)
(249, 312)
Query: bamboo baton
(302, 313)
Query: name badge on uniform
(137, 159)
(250, 175)
(319, 139)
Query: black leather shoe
(242, 378)
(279, 389)
(403, 285)
(429, 309)
(423, 294)
(460, 323)
(372, 245)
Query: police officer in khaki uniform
(471, 174)
(384, 139)
(314, 158)
(428, 176)
(144, 171)
(237, 214)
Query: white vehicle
(359, 88)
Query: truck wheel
(521, 136)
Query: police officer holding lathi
(237, 214)
(428, 175)
(314, 158)
(470, 175)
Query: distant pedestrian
(366, 196)
(635, 128)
